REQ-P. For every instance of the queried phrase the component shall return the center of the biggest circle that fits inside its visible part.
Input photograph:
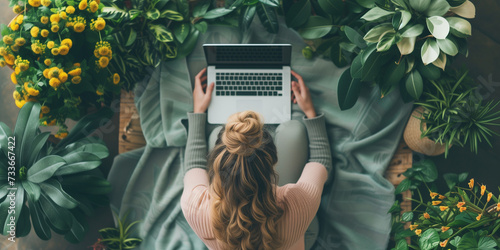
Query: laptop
(249, 77)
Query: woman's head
(242, 177)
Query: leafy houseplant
(118, 238)
(462, 218)
(60, 56)
(55, 186)
(453, 114)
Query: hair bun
(243, 133)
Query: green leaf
(298, 14)
(172, 15)
(386, 42)
(316, 27)
(426, 170)
(45, 168)
(428, 239)
(414, 84)
(412, 31)
(373, 65)
(438, 26)
(440, 62)
(400, 19)
(13, 209)
(395, 208)
(402, 245)
(430, 51)
(392, 77)
(459, 27)
(161, 33)
(446, 234)
(407, 216)
(337, 56)
(216, 13)
(25, 130)
(486, 243)
(403, 186)
(189, 43)
(348, 90)
(420, 5)
(59, 218)
(271, 3)
(332, 7)
(366, 3)
(268, 17)
(153, 14)
(56, 193)
(438, 8)
(41, 227)
(429, 71)
(356, 68)
(131, 38)
(462, 177)
(376, 13)
(247, 15)
(447, 46)
(90, 144)
(78, 162)
(5, 133)
(78, 229)
(376, 32)
(455, 241)
(37, 144)
(32, 190)
(181, 32)
(23, 226)
(201, 8)
(201, 26)
(406, 45)
(354, 37)
(466, 9)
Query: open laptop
(249, 77)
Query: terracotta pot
(413, 136)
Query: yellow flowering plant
(462, 218)
(59, 51)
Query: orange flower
(442, 197)
(463, 209)
(489, 197)
(498, 207)
(443, 243)
(418, 232)
(479, 217)
(443, 208)
(471, 183)
(432, 194)
(444, 229)
(427, 216)
(435, 203)
(460, 204)
(483, 189)
(412, 227)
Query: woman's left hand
(202, 95)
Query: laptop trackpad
(254, 105)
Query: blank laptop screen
(248, 54)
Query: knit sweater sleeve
(319, 146)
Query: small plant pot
(413, 136)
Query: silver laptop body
(249, 77)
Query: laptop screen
(248, 54)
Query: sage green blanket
(353, 212)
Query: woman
(236, 204)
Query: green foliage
(119, 238)
(59, 184)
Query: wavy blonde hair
(244, 212)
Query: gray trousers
(292, 145)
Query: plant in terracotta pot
(451, 113)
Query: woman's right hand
(302, 96)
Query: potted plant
(465, 217)
(50, 187)
(450, 113)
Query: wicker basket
(413, 136)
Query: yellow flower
(82, 5)
(460, 204)
(443, 243)
(442, 197)
(432, 194)
(17, 9)
(63, 77)
(489, 197)
(33, 92)
(427, 216)
(35, 3)
(55, 51)
(20, 41)
(68, 42)
(444, 229)
(76, 64)
(13, 77)
(23, 66)
(17, 70)
(79, 27)
(14, 48)
(103, 62)
(50, 44)
(100, 24)
(46, 73)
(61, 135)
(2, 63)
(75, 72)
(483, 188)
(479, 217)
(418, 232)
(34, 31)
(435, 203)
(54, 18)
(98, 92)
(14, 26)
(20, 104)
(116, 78)
(498, 206)
(8, 40)
(9, 59)
(16, 95)
(44, 33)
(70, 9)
(63, 50)
(46, 3)
(103, 51)
(93, 6)
(54, 28)
(3, 51)
(413, 227)
(20, 19)
(54, 72)
(63, 15)
(45, 109)
(471, 183)
(44, 20)
(463, 209)
(54, 82)
(76, 79)
(443, 208)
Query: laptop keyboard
(248, 84)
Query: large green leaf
(466, 9)
(271, 3)
(376, 32)
(5, 133)
(246, 16)
(412, 30)
(45, 168)
(37, 144)
(78, 162)
(429, 239)
(201, 8)
(216, 13)
(189, 43)
(459, 27)
(32, 190)
(14, 210)
(181, 31)
(368, 4)
(425, 171)
(438, 26)
(438, 8)
(56, 193)
(354, 37)
(337, 55)
(153, 14)
(268, 17)
(447, 46)
(172, 15)
(376, 13)
(78, 228)
(400, 19)
(88, 184)
(58, 218)
(41, 227)
(393, 75)
(356, 68)
(430, 51)
(420, 5)
(403, 186)
(386, 41)
(348, 90)
(23, 227)
(429, 71)
(316, 27)
(414, 84)
(201, 26)
(161, 33)
(406, 45)
(298, 14)
(373, 65)
(25, 131)
(332, 7)
(92, 145)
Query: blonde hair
(244, 213)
